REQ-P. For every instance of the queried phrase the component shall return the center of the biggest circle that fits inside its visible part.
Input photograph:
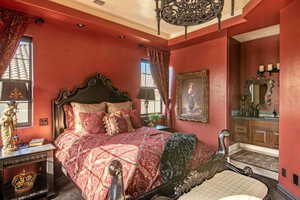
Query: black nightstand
(163, 128)
(44, 183)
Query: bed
(128, 165)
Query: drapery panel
(159, 65)
(12, 27)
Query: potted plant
(153, 119)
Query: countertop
(271, 119)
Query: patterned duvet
(86, 157)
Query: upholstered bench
(228, 185)
(240, 197)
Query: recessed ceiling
(140, 14)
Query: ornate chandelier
(188, 12)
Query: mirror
(260, 91)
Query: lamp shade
(146, 94)
(14, 91)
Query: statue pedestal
(6, 151)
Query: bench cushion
(228, 185)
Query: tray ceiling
(140, 14)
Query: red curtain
(1, 25)
(159, 65)
(13, 27)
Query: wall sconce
(270, 68)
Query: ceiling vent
(99, 2)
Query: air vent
(99, 2)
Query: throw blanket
(178, 153)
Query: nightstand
(44, 184)
(163, 128)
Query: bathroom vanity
(257, 131)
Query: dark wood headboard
(96, 89)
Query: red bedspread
(86, 157)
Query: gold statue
(8, 124)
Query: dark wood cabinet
(256, 132)
(265, 133)
(45, 181)
(274, 139)
(241, 131)
(259, 136)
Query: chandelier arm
(158, 17)
(219, 16)
(232, 7)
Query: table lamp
(147, 94)
(12, 91)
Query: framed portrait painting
(192, 96)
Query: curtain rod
(158, 48)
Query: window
(147, 81)
(20, 71)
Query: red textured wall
(289, 139)
(257, 52)
(64, 56)
(234, 74)
(211, 55)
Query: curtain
(1, 25)
(159, 65)
(13, 27)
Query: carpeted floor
(257, 160)
(65, 190)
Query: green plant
(154, 117)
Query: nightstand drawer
(23, 160)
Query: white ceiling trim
(257, 34)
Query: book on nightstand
(36, 142)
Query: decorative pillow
(117, 123)
(92, 123)
(69, 114)
(135, 118)
(85, 108)
(115, 107)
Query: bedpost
(222, 149)
(116, 191)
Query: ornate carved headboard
(96, 89)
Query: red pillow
(69, 116)
(117, 122)
(92, 123)
(135, 118)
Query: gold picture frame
(192, 96)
